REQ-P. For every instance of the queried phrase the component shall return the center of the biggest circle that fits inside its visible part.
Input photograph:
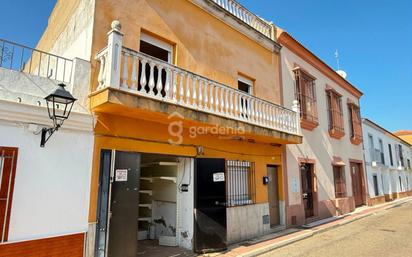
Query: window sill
(356, 140)
(333, 133)
(308, 125)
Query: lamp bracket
(46, 133)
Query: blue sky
(374, 39)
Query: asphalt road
(388, 233)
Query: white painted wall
(52, 184)
(317, 144)
(389, 172)
(185, 203)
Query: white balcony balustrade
(149, 77)
(246, 16)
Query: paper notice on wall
(121, 175)
(219, 177)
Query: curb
(311, 232)
(274, 246)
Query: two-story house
(325, 172)
(190, 129)
(388, 164)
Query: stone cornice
(31, 114)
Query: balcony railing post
(296, 109)
(114, 53)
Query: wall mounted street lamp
(59, 106)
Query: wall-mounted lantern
(59, 106)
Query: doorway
(357, 188)
(138, 205)
(210, 205)
(307, 178)
(273, 196)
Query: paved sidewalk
(272, 241)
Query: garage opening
(147, 209)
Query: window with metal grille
(240, 183)
(339, 179)
(355, 122)
(305, 93)
(335, 113)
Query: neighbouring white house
(325, 173)
(44, 191)
(388, 164)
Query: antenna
(337, 58)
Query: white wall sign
(218, 177)
(121, 175)
(294, 185)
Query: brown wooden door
(356, 183)
(307, 188)
(273, 196)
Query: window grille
(339, 179)
(355, 122)
(305, 93)
(335, 111)
(240, 183)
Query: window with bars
(339, 181)
(355, 123)
(305, 93)
(240, 183)
(335, 113)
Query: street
(388, 233)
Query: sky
(373, 37)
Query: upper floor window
(355, 123)
(335, 114)
(155, 48)
(245, 84)
(305, 93)
(399, 154)
(152, 73)
(381, 156)
(390, 154)
(371, 148)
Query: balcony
(35, 62)
(124, 71)
(27, 75)
(246, 16)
